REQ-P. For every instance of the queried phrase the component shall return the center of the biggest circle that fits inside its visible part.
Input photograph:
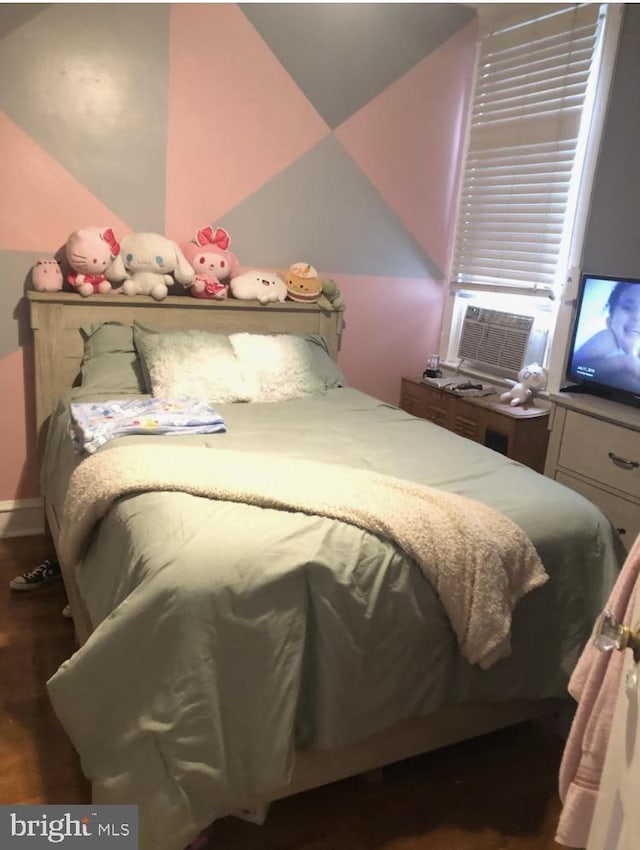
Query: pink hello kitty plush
(46, 275)
(209, 256)
(90, 251)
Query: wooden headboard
(56, 318)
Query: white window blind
(523, 141)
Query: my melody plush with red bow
(212, 261)
(90, 251)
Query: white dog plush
(531, 379)
(264, 286)
(148, 264)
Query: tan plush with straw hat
(303, 283)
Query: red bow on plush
(110, 238)
(218, 237)
(213, 287)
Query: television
(604, 354)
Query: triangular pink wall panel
(41, 202)
(236, 118)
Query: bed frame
(55, 320)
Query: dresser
(521, 433)
(594, 449)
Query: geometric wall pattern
(358, 231)
(342, 60)
(323, 132)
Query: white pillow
(276, 367)
(190, 363)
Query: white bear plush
(261, 285)
(148, 264)
(531, 379)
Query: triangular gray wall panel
(365, 46)
(91, 89)
(295, 217)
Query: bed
(235, 651)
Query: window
(535, 124)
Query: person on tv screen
(612, 355)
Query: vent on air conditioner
(494, 338)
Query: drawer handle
(628, 464)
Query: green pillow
(110, 362)
(323, 363)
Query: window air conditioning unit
(503, 342)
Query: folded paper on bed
(95, 423)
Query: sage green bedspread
(229, 635)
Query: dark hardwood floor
(37, 762)
(497, 792)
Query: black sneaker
(45, 572)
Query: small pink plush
(212, 261)
(90, 251)
(46, 275)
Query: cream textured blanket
(479, 561)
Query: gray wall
(612, 241)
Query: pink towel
(594, 685)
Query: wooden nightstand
(520, 433)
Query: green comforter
(230, 635)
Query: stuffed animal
(148, 263)
(90, 252)
(46, 275)
(261, 285)
(330, 298)
(531, 379)
(303, 283)
(212, 261)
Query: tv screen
(604, 356)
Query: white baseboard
(21, 517)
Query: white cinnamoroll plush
(531, 379)
(148, 264)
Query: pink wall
(390, 326)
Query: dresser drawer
(439, 410)
(601, 451)
(468, 421)
(413, 399)
(426, 402)
(623, 515)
